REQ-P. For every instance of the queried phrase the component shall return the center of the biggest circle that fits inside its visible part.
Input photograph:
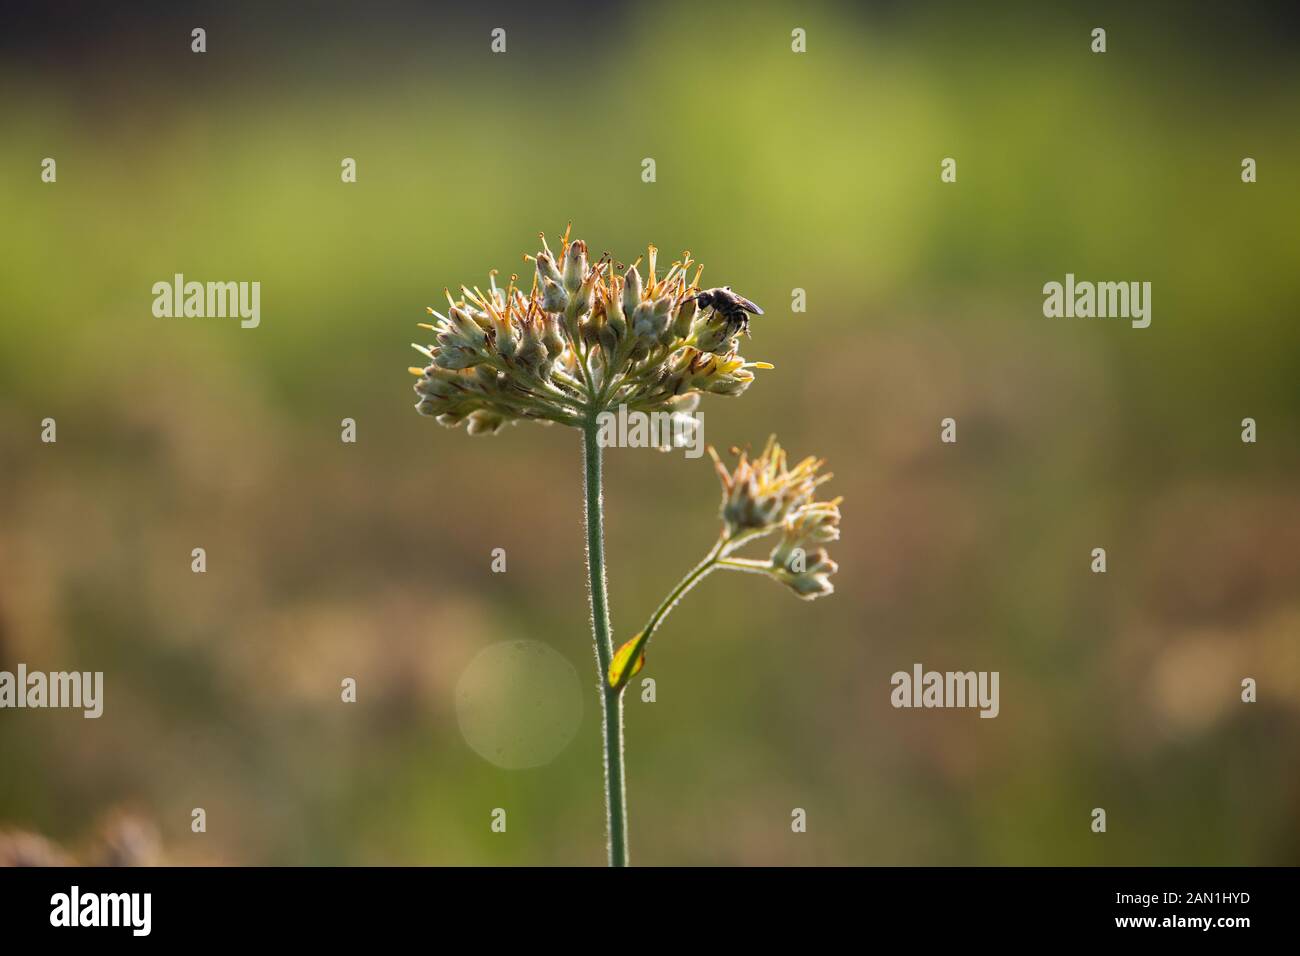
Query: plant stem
(746, 564)
(719, 556)
(611, 700)
(693, 577)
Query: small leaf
(633, 653)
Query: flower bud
(746, 508)
(546, 268)
(814, 580)
(470, 332)
(614, 324)
(551, 336)
(532, 353)
(608, 339)
(575, 265)
(580, 302)
(714, 334)
(631, 291)
(440, 382)
(505, 341)
(681, 326)
(663, 314)
(617, 325)
(816, 523)
(483, 422)
(554, 298)
(783, 554)
(643, 321)
(710, 372)
(732, 383)
(456, 358)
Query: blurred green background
(817, 171)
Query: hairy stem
(611, 700)
(692, 578)
(719, 556)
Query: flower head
(763, 492)
(764, 495)
(586, 337)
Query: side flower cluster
(760, 497)
(766, 495)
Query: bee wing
(747, 305)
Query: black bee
(734, 308)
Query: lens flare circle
(519, 704)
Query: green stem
(693, 577)
(719, 556)
(611, 700)
(746, 564)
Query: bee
(734, 308)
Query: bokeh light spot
(519, 704)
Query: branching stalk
(719, 556)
